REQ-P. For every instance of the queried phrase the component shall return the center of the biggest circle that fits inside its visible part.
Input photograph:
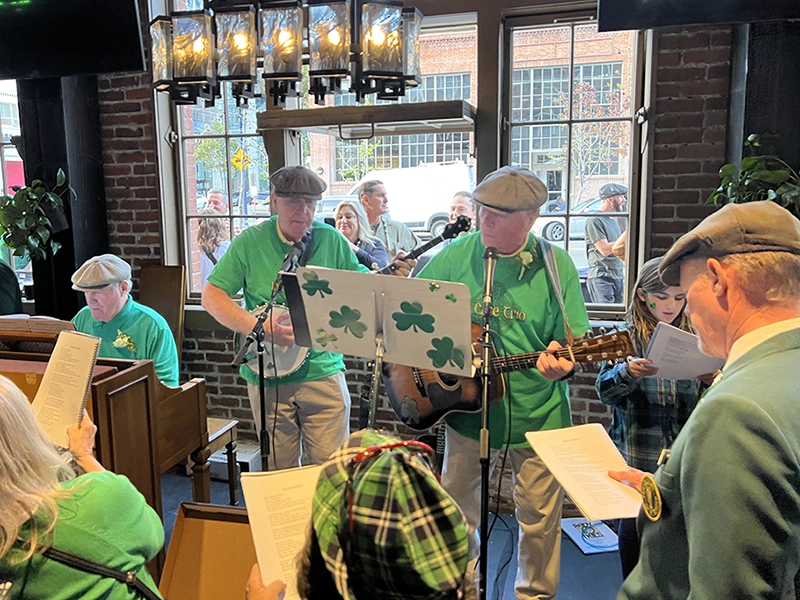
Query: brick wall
(690, 113)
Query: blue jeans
(605, 289)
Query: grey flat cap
(297, 181)
(734, 229)
(511, 189)
(610, 190)
(99, 272)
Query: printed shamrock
(315, 284)
(348, 318)
(443, 352)
(409, 410)
(433, 286)
(526, 258)
(451, 298)
(124, 341)
(411, 316)
(324, 338)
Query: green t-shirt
(527, 317)
(103, 518)
(252, 263)
(137, 332)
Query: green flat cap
(734, 229)
(297, 181)
(99, 272)
(386, 527)
(511, 189)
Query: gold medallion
(651, 498)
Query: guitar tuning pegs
(603, 331)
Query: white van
(420, 196)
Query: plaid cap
(409, 538)
(297, 181)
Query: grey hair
(364, 228)
(368, 186)
(766, 277)
(31, 470)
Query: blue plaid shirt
(648, 412)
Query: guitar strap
(549, 256)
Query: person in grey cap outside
(526, 317)
(394, 235)
(606, 271)
(127, 329)
(721, 518)
(312, 403)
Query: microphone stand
(490, 260)
(256, 336)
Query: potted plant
(32, 215)
(761, 176)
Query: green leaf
(348, 319)
(748, 162)
(55, 246)
(411, 316)
(775, 177)
(444, 352)
(315, 284)
(55, 199)
(60, 178)
(43, 233)
(727, 170)
(33, 242)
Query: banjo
(285, 360)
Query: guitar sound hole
(448, 380)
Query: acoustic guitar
(422, 397)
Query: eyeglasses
(363, 457)
(296, 202)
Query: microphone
(295, 252)
(490, 260)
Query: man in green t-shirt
(526, 317)
(312, 403)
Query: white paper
(677, 354)
(279, 509)
(579, 458)
(62, 395)
(37, 324)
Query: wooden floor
(595, 577)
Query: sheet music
(580, 458)
(279, 509)
(34, 324)
(677, 354)
(62, 395)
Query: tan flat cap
(99, 272)
(297, 181)
(511, 189)
(734, 229)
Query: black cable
(275, 387)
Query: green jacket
(730, 524)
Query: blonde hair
(31, 470)
(766, 277)
(640, 320)
(211, 232)
(364, 228)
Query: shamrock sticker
(324, 338)
(314, 284)
(451, 298)
(411, 316)
(443, 352)
(348, 319)
(433, 286)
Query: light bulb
(199, 46)
(377, 36)
(334, 37)
(241, 41)
(284, 38)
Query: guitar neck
(520, 362)
(416, 252)
(614, 346)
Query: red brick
(682, 74)
(707, 57)
(679, 120)
(683, 41)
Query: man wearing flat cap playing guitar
(527, 317)
(313, 404)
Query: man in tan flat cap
(127, 329)
(527, 317)
(313, 403)
(726, 520)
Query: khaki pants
(537, 497)
(313, 419)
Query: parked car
(260, 205)
(553, 228)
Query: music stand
(414, 322)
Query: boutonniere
(124, 341)
(526, 258)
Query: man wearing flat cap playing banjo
(313, 404)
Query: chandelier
(260, 47)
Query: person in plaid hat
(382, 527)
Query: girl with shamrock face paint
(648, 411)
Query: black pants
(628, 539)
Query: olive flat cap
(734, 229)
(511, 189)
(99, 272)
(297, 181)
(610, 190)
